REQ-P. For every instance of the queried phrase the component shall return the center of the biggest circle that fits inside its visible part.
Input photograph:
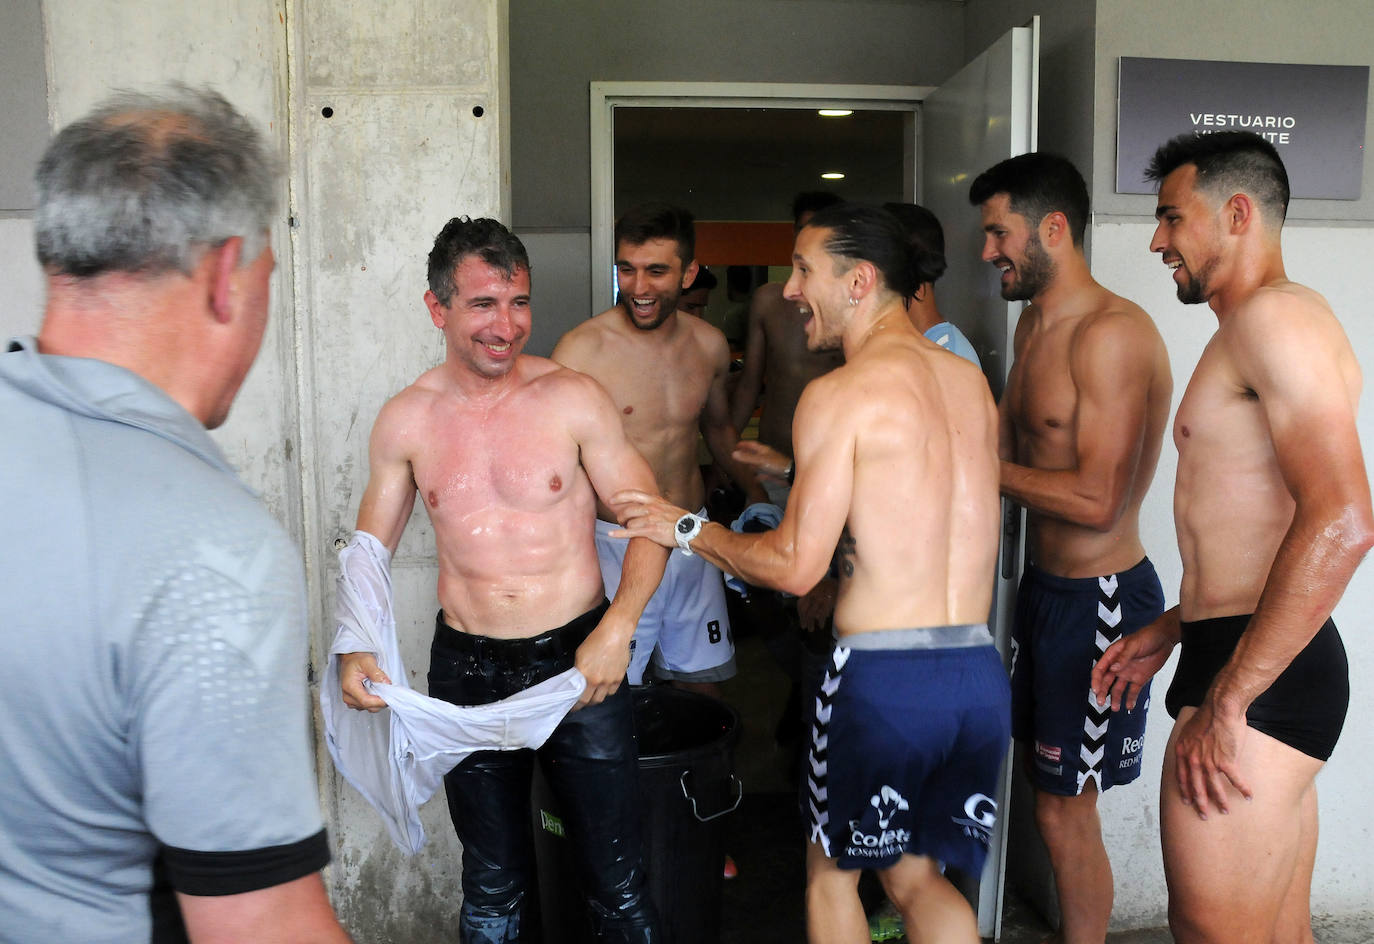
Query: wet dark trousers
(591, 767)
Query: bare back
(662, 381)
(502, 480)
(917, 430)
(1088, 392)
(1272, 401)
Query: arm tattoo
(844, 554)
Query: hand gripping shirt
(397, 757)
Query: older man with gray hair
(158, 767)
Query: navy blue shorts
(1063, 625)
(906, 749)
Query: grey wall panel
(23, 101)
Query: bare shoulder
(1117, 321)
(1279, 303)
(583, 343)
(1286, 321)
(767, 300)
(562, 385)
(710, 339)
(405, 413)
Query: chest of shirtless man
(665, 371)
(508, 452)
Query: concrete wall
(403, 151)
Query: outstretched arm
(1299, 364)
(613, 465)
(790, 558)
(1112, 365)
(383, 513)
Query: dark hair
(148, 181)
(1037, 184)
(647, 221)
(1232, 161)
(813, 201)
(495, 245)
(705, 279)
(870, 234)
(926, 236)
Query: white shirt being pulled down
(397, 757)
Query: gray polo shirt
(152, 622)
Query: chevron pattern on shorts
(1095, 719)
(817, 798)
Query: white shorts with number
(685, 627)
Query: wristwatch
(687, 528)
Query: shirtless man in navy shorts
(1273, 515)
(896, 462)
(1083, 418)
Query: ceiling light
(835, 112)
(832, 175)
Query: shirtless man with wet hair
(508, 453)
(1273, 515)
(896, 463)
(666, 374)
(1082, 422)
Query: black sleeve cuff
(232, 873)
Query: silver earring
(853, 300)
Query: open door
(983, 114)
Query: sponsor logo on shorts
(1047, 752)
(1130, 752)
(979, 819)
(885, 842)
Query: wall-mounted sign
(1314, 115)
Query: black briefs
(1304, 708)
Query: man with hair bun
(1273, 515)
(896, 465)
(927, 238)
(1082, 422)
(158, 768)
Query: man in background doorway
(777, 362)
(697, 296)
(927, 239)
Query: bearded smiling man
(1273, 515)
(666, 374)
(1081, 423)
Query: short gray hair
(148, 181)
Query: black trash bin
(687, 787)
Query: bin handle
(739, 795)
